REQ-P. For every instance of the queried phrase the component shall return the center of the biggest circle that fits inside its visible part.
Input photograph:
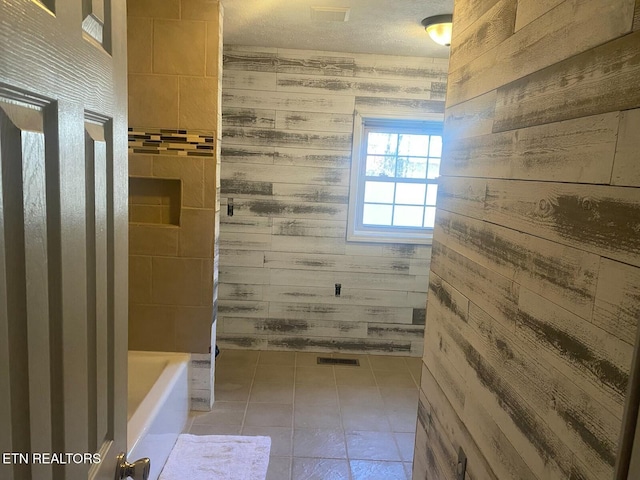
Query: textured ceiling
(390, 27)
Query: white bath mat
(218, 457)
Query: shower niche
(155, 201)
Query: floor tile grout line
(344, 431)
(246, 407)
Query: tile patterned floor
(325, 422)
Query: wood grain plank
(241, 258)
(589, 430)
(247, 154)
(353, 86)
(470, 119)
(231, 341)
(400, 67)
(240, 274)
(232, 187)
(564, 275)
(269, 137)
(597, 361)
(287, 101)
(242, 308)
(528, 435)
(398, 106)
(580, 150)
(309, 228)
(617, 303)
(316, 158)
(394, 331)
(325, 295)
(314, 121)
(494, 293)
(453, 427)
(491, 29)
(337, 263)
(245, 241)
(292, 174)
(529, 10)
(245, 223)
(463, 195)
(467, 13)
(349, 280)
(288, 243)
(240, 292)
(249, 80)
(248, 117)
(573, 27)
(500, 439)
(426, 463)
(626, 166)
(419, 266)
(253, 59)
(288, 209)
(325, 312)
(304, 327)
(315, 63)
(599, 219)
(566, 90)
(332, 344)
(312, 193)
(406, 251)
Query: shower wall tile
(139, 45)
(196, 233)
(174, 112)
(153, 8)
(139, 279)
(153, 240)
(153, 100)
(176, 281)
(200, 10)
(198, 102)
(179, 47)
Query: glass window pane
(435, 146)
(408, 216)
(432, 194)
(379, 166)
(376, 214)
(417, 145)
(434, 168)
(410, 193)
(382, 143)
(378, 192)
(430, 217)
(411, 167)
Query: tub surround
(174, 98)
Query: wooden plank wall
(534, 293)
(286, 152)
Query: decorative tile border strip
(171, 142)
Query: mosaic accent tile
(171, 142)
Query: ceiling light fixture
(439, 28)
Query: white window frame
(356, 232)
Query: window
(394, 180)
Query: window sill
(390, 237)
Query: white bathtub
(158, 405)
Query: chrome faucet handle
(138, 470)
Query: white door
(63, 238)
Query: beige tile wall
(174, 50)
(173, 63)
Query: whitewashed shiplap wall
(286, 152)
(534, 294)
